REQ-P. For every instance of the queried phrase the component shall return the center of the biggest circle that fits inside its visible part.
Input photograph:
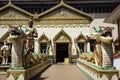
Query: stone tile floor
(3, 77)
(61, 72)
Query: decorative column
(85, 47)
(36, 47)
(88, 46)
(17, 54)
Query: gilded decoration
(62, 36)
(11, 5)
(81, 39)
(12, 14)
(61, 21)
(64, 10)
(61, 14)
(43, 39)
(15, 73)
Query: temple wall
(52, 32)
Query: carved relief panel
(12, 14)
(64, 13)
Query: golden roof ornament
(62, 2)
(9, 2)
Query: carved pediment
(12, 14)
(43, 38)
(63, 13)
(62, 37)
(11, 11)
(81, 38)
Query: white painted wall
(52, 32)
(71, 31)
(117, 63)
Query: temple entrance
(61, 52)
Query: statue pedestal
(28, 73)
(16, 75)
(4, 68)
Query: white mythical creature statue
(17, 37)
(105, 39)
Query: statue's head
(16, 34)
(14, 30)
(30, 22)
(107, 31)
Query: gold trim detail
(81, 38)
(62, 36)
(16, 73)
(10, 4)
(62, 4)
(43, 39)
(66, 15)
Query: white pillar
(73, 49)
(88, 47)
(36, 45)
(85, 47)
(17, 48)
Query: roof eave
(113, 16)
(10, 4)
(69, 7)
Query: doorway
(61, 52)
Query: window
(81, 47)
(43, 47)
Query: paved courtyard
(3, 77)
(59, 72)
(62, 72)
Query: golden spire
(62, 1)
(9, 2)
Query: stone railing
(97, 72)
(28, 73)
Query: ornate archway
(62, 46)
(43, 43)
(80, 42)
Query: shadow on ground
(40, 78)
